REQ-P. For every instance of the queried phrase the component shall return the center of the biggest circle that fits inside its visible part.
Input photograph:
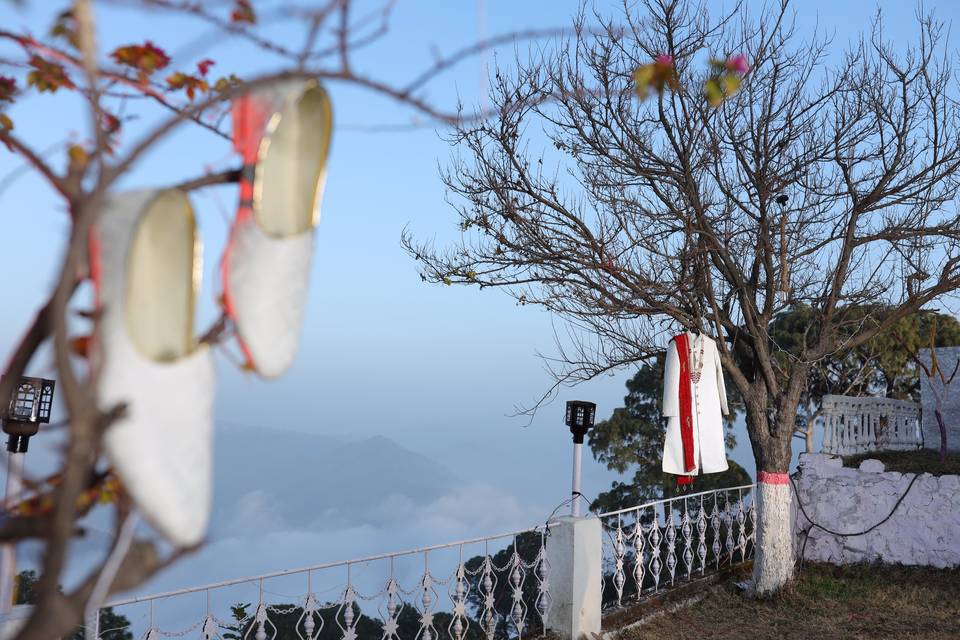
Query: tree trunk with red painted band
(773, 564)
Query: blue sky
(436, 369)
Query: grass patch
(826, 602)
(922, 461)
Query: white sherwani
(708, 400)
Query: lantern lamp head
(579, 418)
(29, 406)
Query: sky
(437, 370)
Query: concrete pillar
(575, 561)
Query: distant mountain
(266, 479)
(270, 480)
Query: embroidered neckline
(696, 361)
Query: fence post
(575, 558)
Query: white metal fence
(489, 587)
(855, 425)
(480, 589)
(660, 544)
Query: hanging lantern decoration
(29, 406)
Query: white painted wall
(924, 530)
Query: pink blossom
(738, 64)
(665, 60)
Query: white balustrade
(853, 425)
(660, 544)
(489, 588)
(492, 587)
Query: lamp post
(579, 417)
(22, 415)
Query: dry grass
(871, 602)
(922, 461)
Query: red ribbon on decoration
(250, 119)
(686, 407)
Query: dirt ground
(872, 602)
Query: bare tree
(816, 184)
(115, 87)
(934, 374)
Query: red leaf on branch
(8, 87)
(659, 75)
(65, 26)
(191, 84)
(80, 346)
(225, 83)
(145, 58)
(78, 159)
(243, 12)
(725, 79)
(102, 489)
(111, 123)
(48, 76)
(6, 124)
(204, 66)
(738, 64)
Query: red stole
(686, 407)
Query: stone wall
(924, 530)
(947, 358)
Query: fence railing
(853, 425)
(661, 544)
(490, 587)
(487, 588)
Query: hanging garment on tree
(694, 396)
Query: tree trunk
(773, 562)
(773, 559)
(943, 432)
